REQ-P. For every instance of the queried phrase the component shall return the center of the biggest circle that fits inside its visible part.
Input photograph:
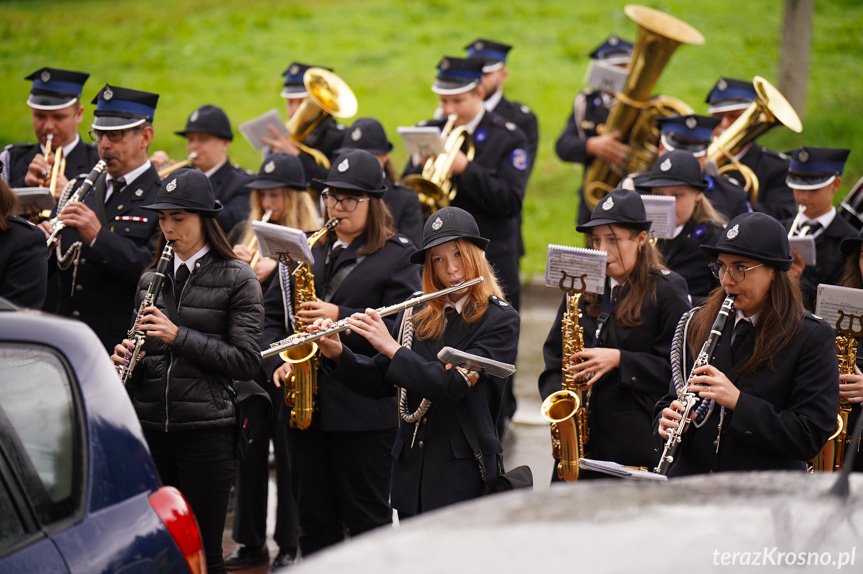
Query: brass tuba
(768, 110)
(329, 95)
(301, 388)
(566, 409)
(659, 35)
(434, 186)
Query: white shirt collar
(191, 261)
(678, 230)
(493, 100)
(132, 175)
(67, 149)
(471, 125)
(825, 220)
(738, 316)
(458, 305)
(210, 173)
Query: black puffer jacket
(221, 314)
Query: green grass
(232, 54)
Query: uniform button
(79, 287)
(83, 261)
(421, 444)
(632, 380)
(126, 230)
(76, 314)
(747, 433)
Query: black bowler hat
(356, 170)
(491, 54)
(189, 190)
(619, 207)
(850, 244)
(815, 167)
(54, 89)
(757, 236)
(457, 75)
(446, 225)
(614, 50)
(728, 95)
(294, 86)
(209, 120)
(280, 170)
(674, 168)
(121, 108)
(691, 133)
(367, 134)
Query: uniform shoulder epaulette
(402, 240)
(12, 146)
(21, 221)
(238, 167)
(341, 127)
(499, 302)
(773, 153)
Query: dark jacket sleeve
(23, 266)
(570, 146)
(497, 190)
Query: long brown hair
(8, 204)
(430, 320)
(300, 212)
(705, 213)
(213, 235)
(379, 225)
(778, 321)
(852, 277)
(640, 285)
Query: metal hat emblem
(270, 166)
(46, 76)
(691, 123)
(479, 46)
(803, 156)
(194, 117)
(608, 204)
(357, 134)
(666, 165)
(107, 94)
(444, 64)
(295, 69)
(722, 85)
(613, 40)
(437, 223)
(343, 167)
(172, 185)
(732, 233)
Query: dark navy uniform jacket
(829, 260)
(437, 467)
(492, 189)
(327, 137)
(783, 417)
(23, 266)
(407, 212)
(108, 272)
(522, 116)
(229, 183)
(856, 446)
(774, 196)
(727, 197)
(683, 256)
(81, 160)
(383, 278)
(622, 401)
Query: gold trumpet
(58, 167)
(768, 110)
(253, 242)
(329, 95)
(169, 169)
(434, 186)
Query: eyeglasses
(737, 272)
(112, 135)
(348, 204)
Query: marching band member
(627, 334)
(773, 382)
(432, 462)
(341, 462)
(202, 334)
(55, 108)
(111, 229)
(851, 386)
(815, 175)
(678, 174)
(23, 267)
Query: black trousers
(341, 483)
(201, 465)
(250, 516)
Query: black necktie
(116, 186)
(180, 280)
(741, 332)
(814, 228)
(331, 262)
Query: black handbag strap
(470, 435)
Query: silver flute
(300, 339)
(79, 195)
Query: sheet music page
(279, 242)
(256, 128)
(475, 362)
(805, 245)
(421, 141)
(832, 298)
(614, 469)
(34, 199)
(660, 210)
(576, 261)
(605, 77)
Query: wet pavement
(527, 440)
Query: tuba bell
(659, 35)
(329, 95)
(434, 186)
(768, 110)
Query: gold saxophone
(830, 458)
(566, 409)
(301, 388)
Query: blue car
(78, 489)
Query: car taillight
(175, 512)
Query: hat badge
(444, 64)
(357, 134)
(803, 156)
(172, 185)
(722, 85)
(666, 165)
(107, 94)
(45, 76)
(270, 167)
(608, 203)
(733, 232)
(194, 117)
(344, 166)
(613, 40)
(479, 46)
(295, 69)
(437, 223)
(691, 123)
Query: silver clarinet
(136, 335)
(689, 399)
